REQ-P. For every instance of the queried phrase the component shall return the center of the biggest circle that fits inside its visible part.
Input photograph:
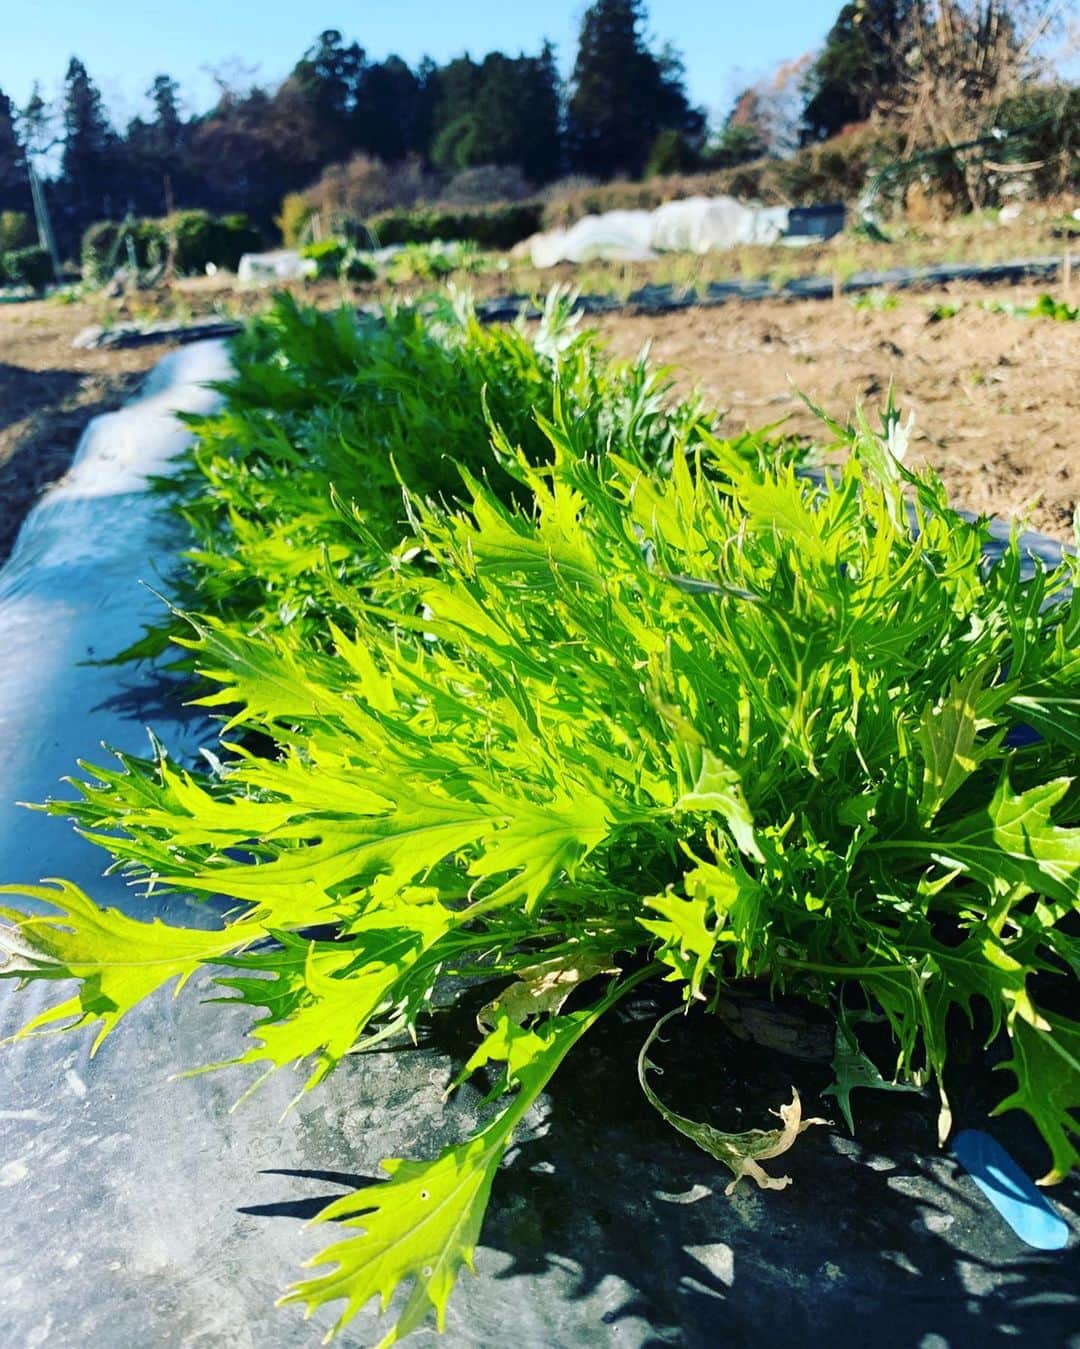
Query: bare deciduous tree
(962, 61)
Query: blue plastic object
(1027, 1211)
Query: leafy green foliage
(1045, 307)
(879, 301)
(191, 238)
(425, 1221)
(614, 699)
(15, 231)
(30, 266)
(294, 492)
(496, 227)
(429, 262)
(338, 259)
(855, 1068)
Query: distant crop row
(531, 676)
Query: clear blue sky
(124, 43)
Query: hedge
(494, 227)
(198, 238)
(27, 267)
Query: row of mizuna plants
(529, 677)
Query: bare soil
(996, 399)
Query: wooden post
(41, 217)
(170, 228)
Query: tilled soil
(996, 399)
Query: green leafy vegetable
(528, 676)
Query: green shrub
(497, 227)
(201, 239)
(192, 234)
(338, 260)
(15, 231)
(671, 153)
(327, 254)
(295, 218)
(430, 262)
(27, 267)
(195, 238)
(99, 249)
(117, 243)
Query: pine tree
(168, 124)
(153, 161)
(624, 95)
(329, 76)
(859, 63)
(504, 111)
(88, 164)
(14, 188)
(388, 120)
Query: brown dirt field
(996, 399)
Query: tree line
(255, 145)
(624, 111)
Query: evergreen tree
(622, 94)
(168, 124)
(388, 119)
(454, 88)
(504, 111)
(88, 163)
(859, 63)
(154, 168)
(329, 76)
(14, 185)
(517, 114)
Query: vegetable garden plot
(614, 709)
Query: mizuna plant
(300, 475)
(683, 716)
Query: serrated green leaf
(852, 1067)
(540, 841)
(947, 738)
(423, 1223)
(118, 960)
(1012, 841)
(322, 999)
(1046, 1065)
(719, 788)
